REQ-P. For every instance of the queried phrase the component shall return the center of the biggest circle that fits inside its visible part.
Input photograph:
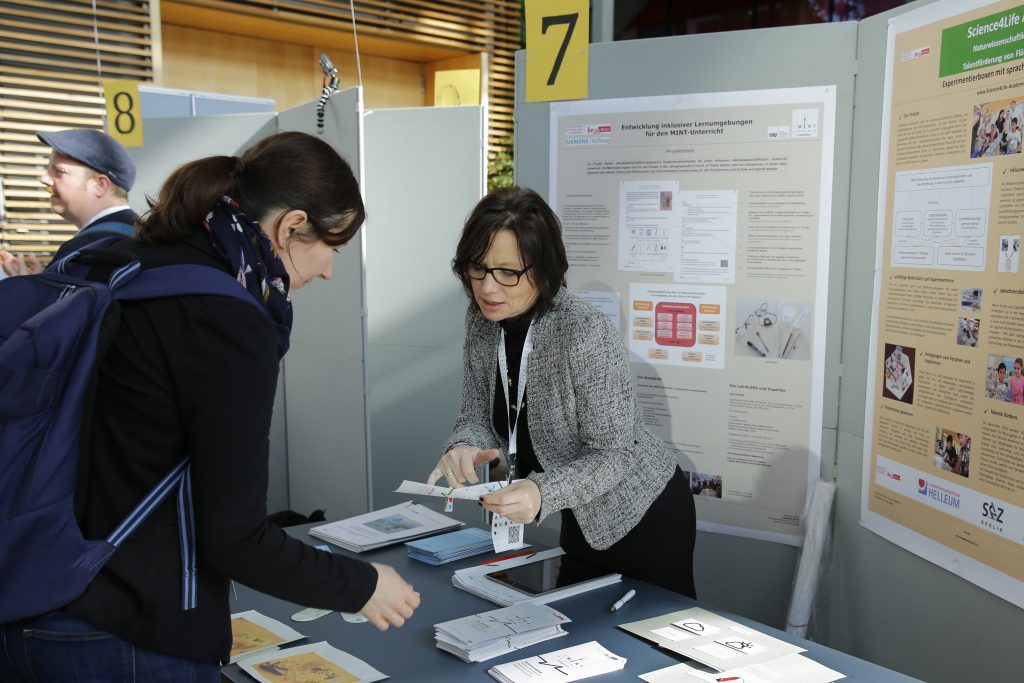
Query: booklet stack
(449, 547)
(391, 525)
(483, 636)
(571, 664)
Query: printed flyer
(944, 432)
(705, 220)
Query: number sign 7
(556, 62)
(548, 22)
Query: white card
(353, 617)
(672, 633)
(310, 613)
(505, 534)
(697, 626)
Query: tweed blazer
(598, 457)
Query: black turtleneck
(515, 330)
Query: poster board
(943, 472)
(717, 64)
(704, 220)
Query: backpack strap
(80, 256)
(178, 478)
(134, 283)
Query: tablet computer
(550, 574)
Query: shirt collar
(106, 212)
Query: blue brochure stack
(450, 547)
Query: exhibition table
(409, 654)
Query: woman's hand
(458, 466)
(518, 502)
(392, 602)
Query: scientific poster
(707, 216)
(944, 432)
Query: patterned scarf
(254, 262)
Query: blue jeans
(61, 648)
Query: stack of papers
(571, 664)
(714, 640)
(391, 525)
(451, 546)
(474, 580)
(729, 650)
(505, 534)
(484, 636)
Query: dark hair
(537, 229)
(1001, 366)
(283, 171)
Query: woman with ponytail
(196, 375)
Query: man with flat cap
(88, 179)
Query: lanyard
(503, 365)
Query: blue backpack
(52, 328)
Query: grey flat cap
(96, 150)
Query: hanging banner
(944, 431)
(706, 218)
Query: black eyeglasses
(508, 277)
(760, 316)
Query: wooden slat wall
(491, 26)
(54, 55)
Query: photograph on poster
(970, 299)
(773, 329)
(707, 485)
(952, 451)
(665, 201)
(1009, 253)
(899, 373)
(1004, 380)
(967, 331)
(997, 128)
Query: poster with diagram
(707, 217)
(944, 426)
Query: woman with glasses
(196, 375)
(547, 388)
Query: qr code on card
(515, 533)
